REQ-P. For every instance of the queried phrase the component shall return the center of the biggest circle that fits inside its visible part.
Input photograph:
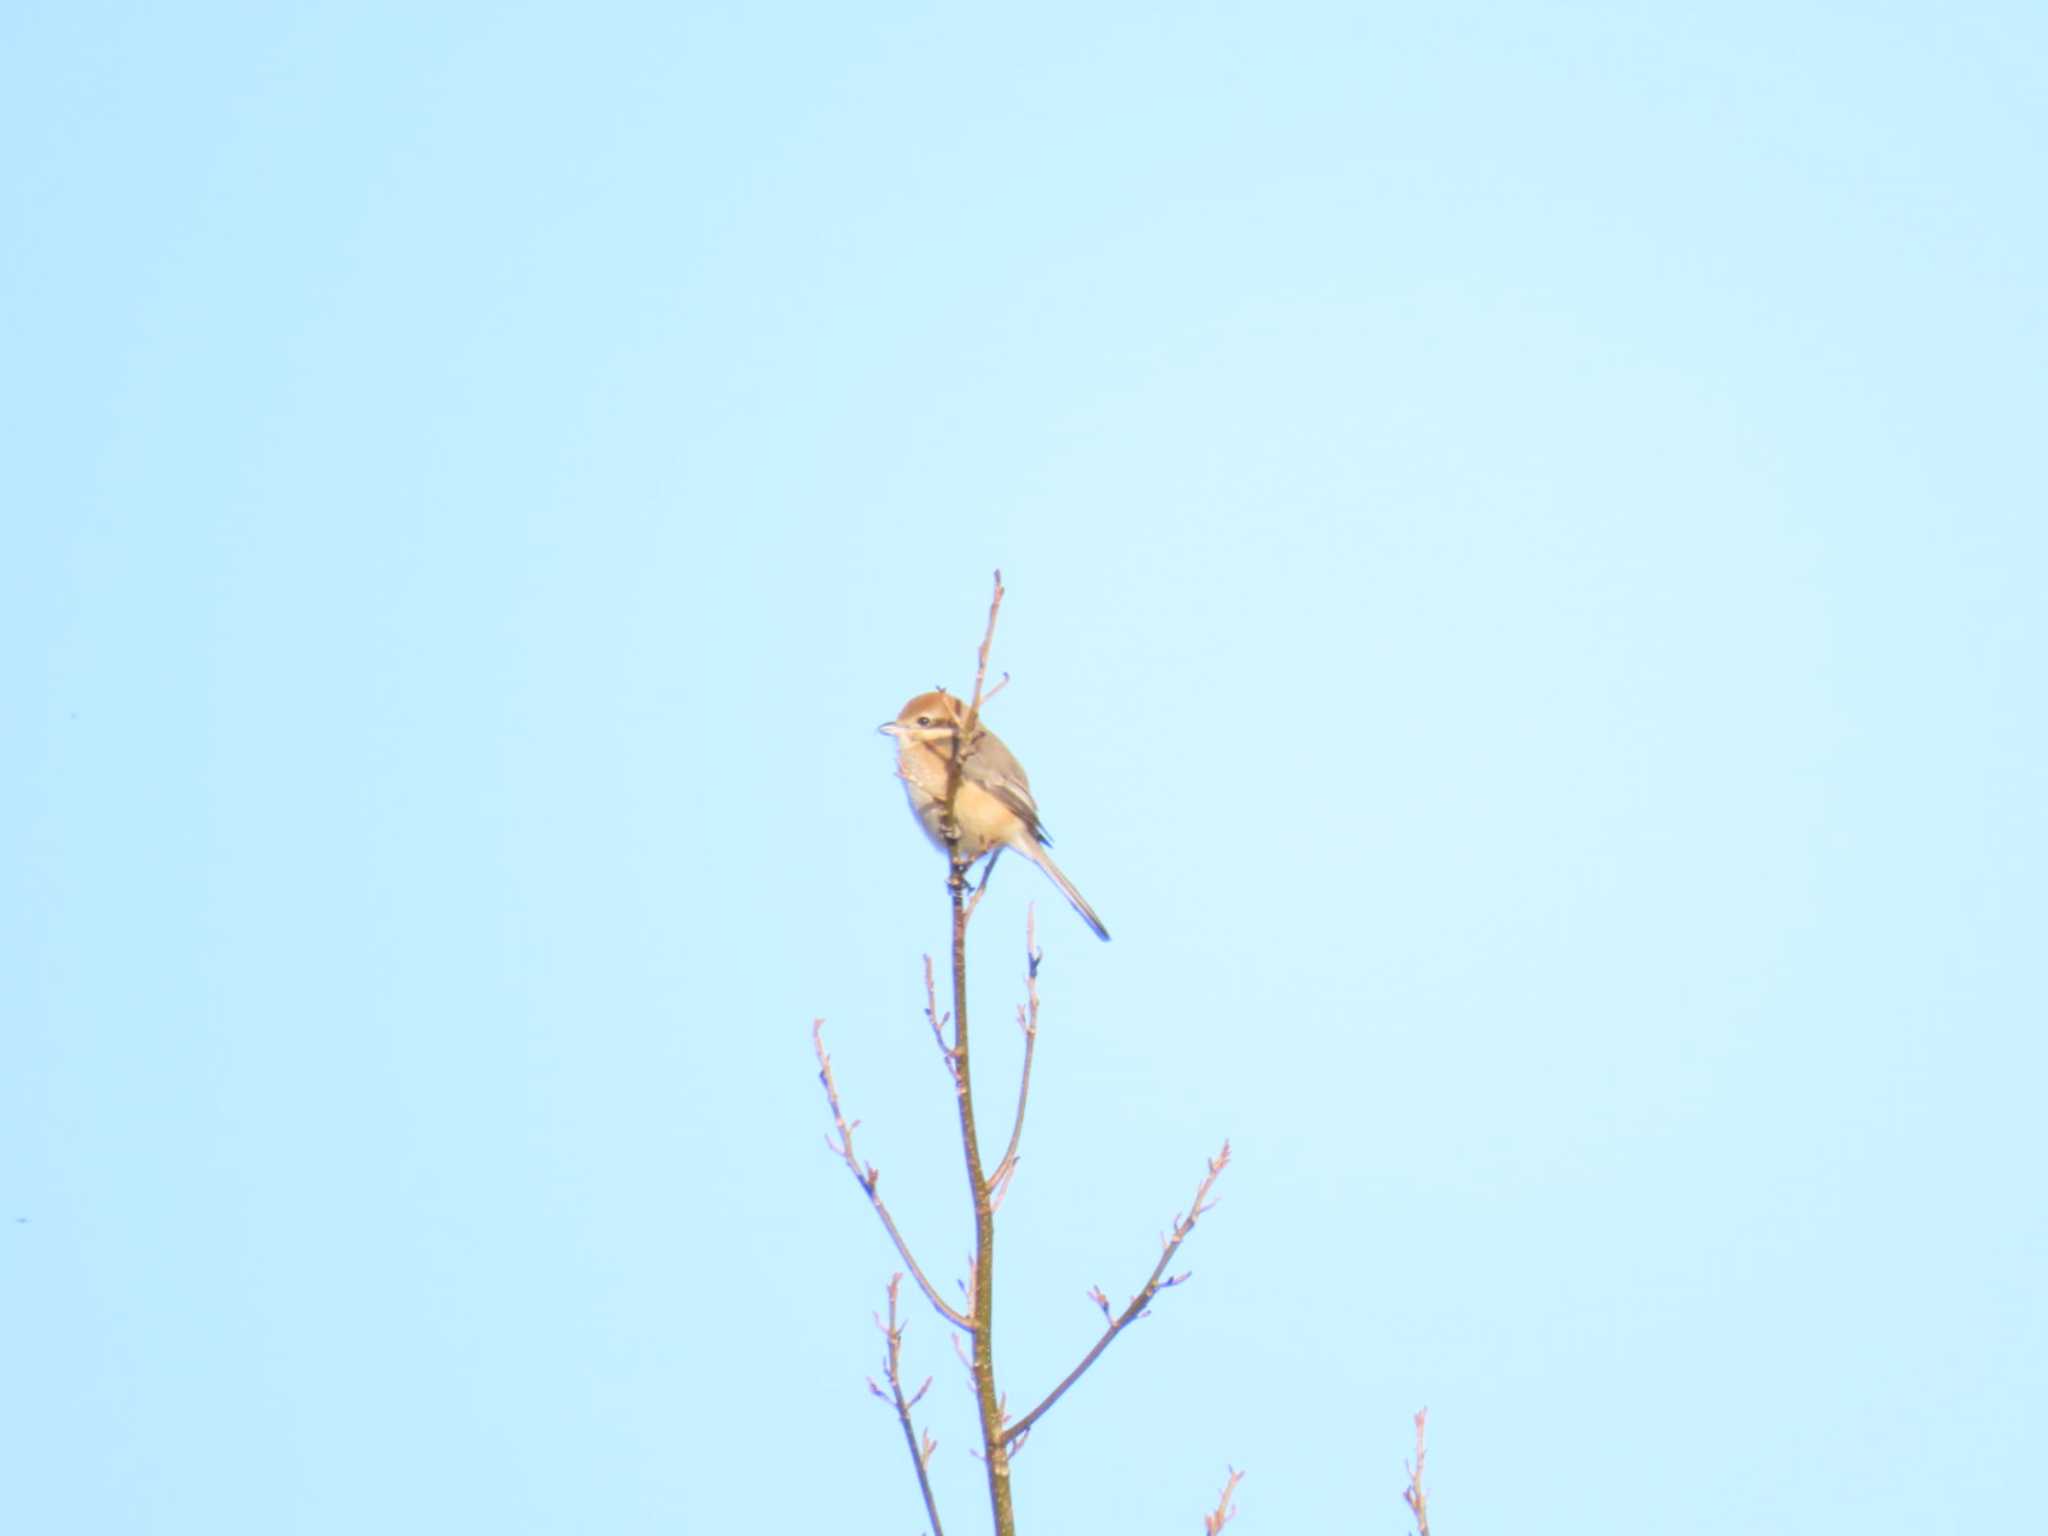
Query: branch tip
(1225, 1510)
(1413, 1495)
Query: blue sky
(1524, 533)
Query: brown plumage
(994, 808)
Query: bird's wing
(992, 767)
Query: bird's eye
(924, 720)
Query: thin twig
(867, 1177)
(1027, 1020)
(938, 1021)
(921, 1448)
(1158, 1281)
(988, 638)
(1418, 1501)
(1225, 1510)
(966, 736)
(981, 885)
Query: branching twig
(1027, 1020)
(938, 1021)
(988, 1404)
(921, 1447)
(1418, 1501)
(867, 1176)
(1158, 1281)
(988, 638)
(981, 885)
(1225, 1510)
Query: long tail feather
(1043, 860)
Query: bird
(994, 809)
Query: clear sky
(1525, 537)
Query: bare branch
(1158, 1281)
(988, 1186)
(938, 1022)
(1027, 1020)
(892, 1370)
(988, 1404)
(981, 885)
(988, 638)
(966, 728)
(867, 1177)
(1225, 1510)
(1417, 1500)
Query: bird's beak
(889, 728)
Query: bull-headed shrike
(994, 808)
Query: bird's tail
(1043, 860)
